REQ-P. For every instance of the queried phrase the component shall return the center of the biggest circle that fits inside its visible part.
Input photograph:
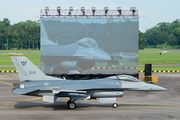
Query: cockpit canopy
(87, 42)
(124, 78)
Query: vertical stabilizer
(44, 37)
(43, 32)
(24, 66)
(27, 70)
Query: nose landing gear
(114, 105)
(71, 104)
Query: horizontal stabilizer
(23, 91)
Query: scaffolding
(65, 13)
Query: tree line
(26, 35)
(161, 34)
(23, 35)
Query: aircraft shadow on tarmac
(61, 105)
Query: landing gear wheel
(68, 102)
(115, 105)
(72, 105)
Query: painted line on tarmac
(138, 103)
(112, 68)
(147, 107)
(148, 104)
(21, 100)
(129, 107)
(92, 100)
(6, 107)
(6, 83)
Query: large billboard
(89, 45)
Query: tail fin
(44, 37)
(24, 66)
(27, 70)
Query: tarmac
(134, 105)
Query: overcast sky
(155, 11)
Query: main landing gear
(71, 104)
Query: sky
(155, 11)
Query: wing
(23, 91)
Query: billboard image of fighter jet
(116, 59)
(88, 46)
(71, 58)
(133, 58)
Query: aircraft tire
(115, 105)
(68, 102)
(72, 105)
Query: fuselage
(95, 88)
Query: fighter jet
(35, 83)
(70, 58)
(129, 58)
(115, 59)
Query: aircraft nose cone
(157, 88)
(101, 55)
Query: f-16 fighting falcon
(130, 58)
(58, 59)
(35, 83)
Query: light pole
(7, 39)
